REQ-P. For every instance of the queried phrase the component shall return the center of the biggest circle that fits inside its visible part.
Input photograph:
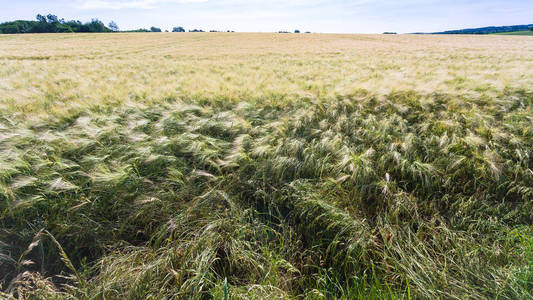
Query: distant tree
(297, 31)
(41, 18)
(97, 26)
(155, 29)
(52, 18)
(76, 26)
(113, 26)
(178, 29)
(45, 24)
(389, 32)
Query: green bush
(63, 28)
(9, 29)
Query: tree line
(52, 24)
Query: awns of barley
(402, 196)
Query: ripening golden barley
(54, 73)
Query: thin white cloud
(151, 4)
(143, 4)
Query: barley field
(266, 166)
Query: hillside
(489, 30)
(265, 166)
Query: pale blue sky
(355, 16)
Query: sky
(334, 16)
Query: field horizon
(266, 166)
(280, 64)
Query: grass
(264, 166)
(516, 33)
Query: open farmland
(157, 166)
